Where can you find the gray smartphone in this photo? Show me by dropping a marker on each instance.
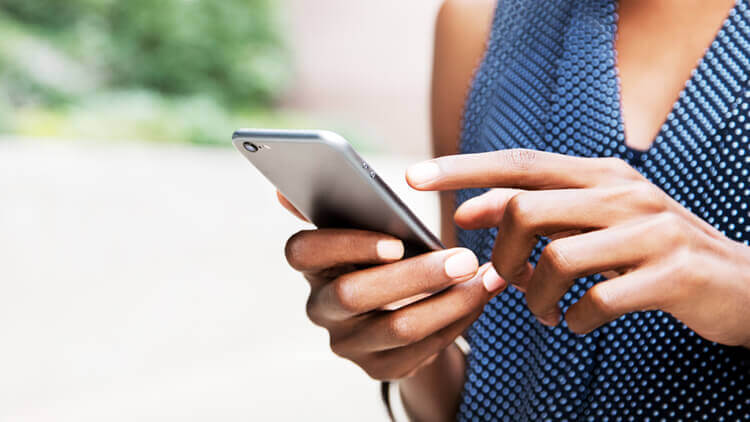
(331, 185)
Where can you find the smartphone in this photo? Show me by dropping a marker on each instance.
(331, 185)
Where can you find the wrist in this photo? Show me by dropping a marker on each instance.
(744, 259)
(434, 392)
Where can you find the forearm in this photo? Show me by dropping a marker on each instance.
(434, 393)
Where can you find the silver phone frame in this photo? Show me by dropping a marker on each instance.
(359, 166)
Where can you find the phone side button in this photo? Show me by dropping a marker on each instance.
(373, 175)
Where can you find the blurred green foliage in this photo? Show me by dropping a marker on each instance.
(173, 68)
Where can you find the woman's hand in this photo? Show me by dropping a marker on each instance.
(354, 274)
(603, 217)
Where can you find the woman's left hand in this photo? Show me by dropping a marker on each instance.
(603, 217)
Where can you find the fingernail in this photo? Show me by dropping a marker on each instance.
(492, 280)
(460, 265)
(423, 173)
(390, 249)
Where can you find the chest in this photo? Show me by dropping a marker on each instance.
(658, 45)
(550, 82)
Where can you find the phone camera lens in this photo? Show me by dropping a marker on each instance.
(250, 147)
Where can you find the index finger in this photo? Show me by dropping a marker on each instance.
(314, 251)
(513, 168)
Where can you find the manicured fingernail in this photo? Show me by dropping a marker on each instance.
(390, 249)
(461, 265)
(492, 281)
(423, 173)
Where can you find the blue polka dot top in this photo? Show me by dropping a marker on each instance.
(549, 82)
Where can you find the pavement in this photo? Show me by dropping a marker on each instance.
(145, 282)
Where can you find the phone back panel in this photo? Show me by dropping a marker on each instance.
(325, 179)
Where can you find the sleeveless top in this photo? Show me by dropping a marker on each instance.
(549, 82)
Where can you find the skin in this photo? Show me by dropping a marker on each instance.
(613, 219)
(659, 43)
(658, 255)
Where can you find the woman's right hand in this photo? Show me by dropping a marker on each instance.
(353, 274)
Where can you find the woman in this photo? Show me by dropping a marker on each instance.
(613, 221)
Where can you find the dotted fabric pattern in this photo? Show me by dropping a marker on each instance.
(549, 82)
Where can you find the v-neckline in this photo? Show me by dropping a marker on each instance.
(697, 74)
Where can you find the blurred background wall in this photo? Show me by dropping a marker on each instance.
(367, 63)
(142, 274)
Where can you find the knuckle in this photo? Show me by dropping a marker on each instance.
(345, 294)
(554, 259)
(681, 269)
(403, 329)
(521, 159)
(617, 167)
(601, 300)
(534, 306)
(671, 228)
(648, 195)
(519, 212)
(295, 248)
(378, 370)
(615, 163)
(337, 347)
(313, 311)
(504, 268)
(677, 279)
